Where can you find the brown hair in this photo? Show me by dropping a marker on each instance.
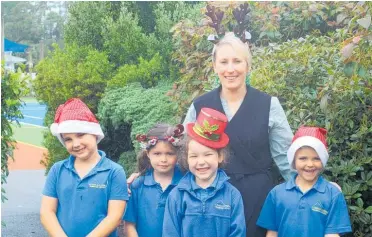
(224, 152)
(159, 131)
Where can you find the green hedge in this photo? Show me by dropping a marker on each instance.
(125, 112)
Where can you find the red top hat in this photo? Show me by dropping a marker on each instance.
(309, 136)
(209, 129)
(75, 117)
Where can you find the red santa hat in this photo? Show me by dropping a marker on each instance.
(75, 117)
(313, 137)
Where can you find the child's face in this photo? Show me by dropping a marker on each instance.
(203, 163)
(308, 164)
(81, 145)
(163, 158)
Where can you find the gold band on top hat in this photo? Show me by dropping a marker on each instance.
(202, 131)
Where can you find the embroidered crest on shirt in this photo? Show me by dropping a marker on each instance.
(97, 185)
(222, 206)
(318, 207)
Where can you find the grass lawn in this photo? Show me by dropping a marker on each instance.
(29, 99)
(28, 134)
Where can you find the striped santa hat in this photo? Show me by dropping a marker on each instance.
(313, 137)
(75, 117)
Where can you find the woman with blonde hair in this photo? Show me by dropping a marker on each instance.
(257, 126)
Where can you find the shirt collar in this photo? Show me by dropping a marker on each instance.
(320, 184)
(103, 163)
(195, 186)
(149, 177)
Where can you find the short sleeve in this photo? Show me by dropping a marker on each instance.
(268, 213)
(50, 187)
(131, 209)
(119, 187)
(338, 221)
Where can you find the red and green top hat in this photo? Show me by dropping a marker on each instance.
(209, 129)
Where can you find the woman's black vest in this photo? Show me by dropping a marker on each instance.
(248, 130)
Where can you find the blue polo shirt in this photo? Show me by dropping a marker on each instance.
(215, 211)
(146, 205)
(83, 203)
(321, 210)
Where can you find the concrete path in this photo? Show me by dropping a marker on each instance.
(20, 212)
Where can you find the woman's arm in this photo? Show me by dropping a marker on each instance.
(280, 137)
(48, 216)
(271, 233)
(111, 221)
(190, 115)
(130, 229)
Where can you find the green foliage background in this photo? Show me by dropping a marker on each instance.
(13, 87)
(136, 108)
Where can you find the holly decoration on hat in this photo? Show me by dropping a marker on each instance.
(209, 129)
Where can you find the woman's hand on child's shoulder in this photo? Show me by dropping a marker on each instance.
(130, 180)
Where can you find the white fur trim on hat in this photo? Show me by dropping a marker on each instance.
(310, 141)
(76, 126)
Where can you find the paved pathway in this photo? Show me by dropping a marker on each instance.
(25, 182)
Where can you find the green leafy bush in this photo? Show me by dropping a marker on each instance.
(128, 160)
(13, 87)
(125, 112)
(146, 72)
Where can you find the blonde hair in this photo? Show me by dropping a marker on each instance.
(237, 45)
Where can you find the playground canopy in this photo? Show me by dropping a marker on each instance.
(13, 46)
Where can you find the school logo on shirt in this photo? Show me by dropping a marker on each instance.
(318, 207)
(222, 206)
(97, 185)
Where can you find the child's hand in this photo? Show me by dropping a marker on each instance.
(130, 180)
(271, 233)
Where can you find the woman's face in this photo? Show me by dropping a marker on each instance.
(231, 67)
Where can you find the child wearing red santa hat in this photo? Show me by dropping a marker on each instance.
(307, 205)
(85, 194)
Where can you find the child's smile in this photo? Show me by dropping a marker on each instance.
(203, 163)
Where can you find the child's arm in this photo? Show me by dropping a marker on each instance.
(116, 205)
(130, 229)
(48, 216)
(238, 226)
(49, 204)
(111, 221)
(271, 233)
(332, 235)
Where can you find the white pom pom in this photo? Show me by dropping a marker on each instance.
(54, 129)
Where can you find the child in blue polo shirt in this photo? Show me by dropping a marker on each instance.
(204, 203)
(85, 194)
(307, 205)
(159, 174)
